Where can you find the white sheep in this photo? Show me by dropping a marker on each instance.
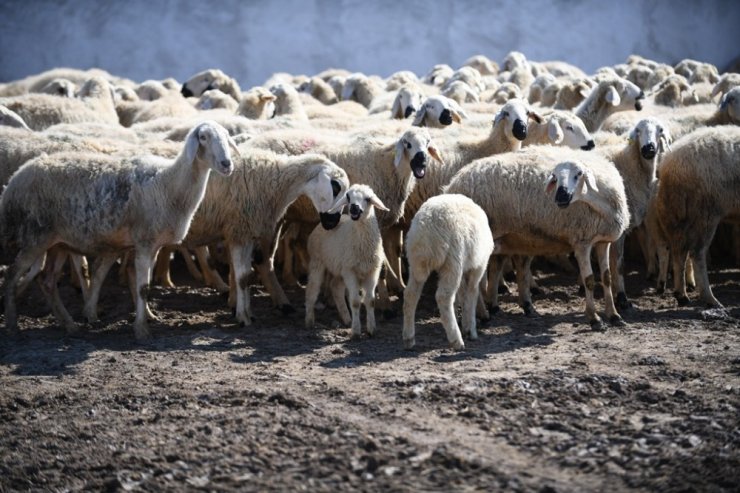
(538, 86)
(608, 97)
(698, 189)
(288, 103)
(407, 101)
(438, 75)
(502, 94)
(320, 89)
(151, 90)
(725, 83)
(40, 111)
(525, 220)
(244, 212)
(482, 64)
(351, 252)
(216, 99)
(438, 112)
(362, 89)
(59, 87)
(559, 127)
(103, 206)
(572, 93)
(460, 92)
(449, 235)
(211, 79)
(257, 104)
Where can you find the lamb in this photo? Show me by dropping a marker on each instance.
(352, 252)
(211, 79)
(526, 221)
(320, 89)
(608, 97)
(40, 111)
(698, 189)
(560, 128)
(438, 112)
(438, 75)
(216, 99)
(103, 205)
(407, 101)
(361, 88)
(460, 92)
(11, 119)
(449, 235)
(263, 187)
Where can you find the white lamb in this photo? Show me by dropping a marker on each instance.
(608, 97)
(102, 205)
(438, 112)
(352, 252)
(211, 79)
(525, 220)
(449, 235)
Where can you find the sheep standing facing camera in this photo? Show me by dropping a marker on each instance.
(450, 235)
(352, 252)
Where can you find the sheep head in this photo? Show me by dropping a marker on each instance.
(514, 115)
(406, 102)
(326, 185)
(651, 137)
(572, 182)
(730, 103)
(438, 112)
(565, 128)
(210, 142)
(360, 199)
(414, 146)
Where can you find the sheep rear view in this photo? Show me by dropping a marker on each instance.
(450, 235)
(102, 205)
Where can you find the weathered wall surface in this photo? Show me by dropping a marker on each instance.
(250, 40)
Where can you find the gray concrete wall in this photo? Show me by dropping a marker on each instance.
(250, 40)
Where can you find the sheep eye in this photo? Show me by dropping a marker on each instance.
(407, 144)
(335, 189)
(505, 113)
(569, 127)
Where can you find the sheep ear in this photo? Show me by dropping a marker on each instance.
(341, 202)
(435, 153)
(723, 102)
(399, 153)
(457, 112)
(716, 90)
(550, 183)
(419, 119)
(612, 96)
(347, 91)
(377, 203)
(534, 116)
(191, 145)
(554, 132)
(499, 116)
(396, 110)
(233, 146)
(587, 182)
(664, 141)
(632, 136)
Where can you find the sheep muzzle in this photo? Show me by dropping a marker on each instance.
(648, 151)
(563, 197)
(410, 110)
(329, 220)
(445, 118)
(185, 91)
(418, 165)
(589, 145)
(355, 212)
(519, 129)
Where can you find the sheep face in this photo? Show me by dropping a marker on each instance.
(325, 190)
(438, 112)
(414, 146)
(60, 87)
(514, 59)
(360, 199)
(211, 143)
(652, 138)
(406, 103)
(514, 115)
(571, 181)
(623, 94)
(731, 104)
(570, 131)
(201, 82)
(438, 75)
(507, 91)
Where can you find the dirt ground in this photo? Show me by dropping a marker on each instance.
(536, 404)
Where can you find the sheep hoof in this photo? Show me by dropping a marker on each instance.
(287, 309)
(617, 321)
(355, 335)
(143, 334)
(71, 328)
(622, 302)
(661, 288)
(457, 345)
(690, 288)
(597, 325)
(536, 290)
(503, 289)
(408, 344)
(371, 333)
(529, 310)
(681, 300)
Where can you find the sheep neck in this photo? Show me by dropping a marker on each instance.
(720, 117)
(594, 110)
(185, 183)
(639, 178)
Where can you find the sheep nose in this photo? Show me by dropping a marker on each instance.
(418, 160)
(185, 91)
(445, 118)
(226, 163)
(563, 197)
(589, 145)
(641, 95)
(648, 151)
(355, 212)
(520, 129)
(410, 110)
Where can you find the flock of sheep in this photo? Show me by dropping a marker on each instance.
(475, 170)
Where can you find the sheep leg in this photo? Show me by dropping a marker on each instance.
(101, 267)
(449, 282)
(287, 242)
(392, 244)
(384, 298)
(616, 261)
(522, 265)
(189, 264)
(583, 256)
(25, 281)
(690, 279)
(162, 267)
(265, 267)
(355, 301)
(495, 273)
(699, 261)
(241, 260)
(470, 300)
(368, 288)
(337, 290)
(315, 280)
(21, 265)
(679, 259)
(144, 259)
(661, 248)
(79, 264)
(210, 276)
(604, 256)
(50, 288)
(411, 295)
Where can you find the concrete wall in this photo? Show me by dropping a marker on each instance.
(250, 40)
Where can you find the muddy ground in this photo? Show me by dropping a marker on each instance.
(536, 404)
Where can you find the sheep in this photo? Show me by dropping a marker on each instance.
(673, 91)
(337, 84)
(467, 74)
(526, 221)
(59, 87)
(698, 188)
(407, 101)
(538, 86)
(263, 187)
(288, 102)
(216, 99)
(320, 89)
(151, 90)
(399, 79)
(211, 79)
(438, 75)
(559, 127)
(102, 205)
(124, 93)
(438, 112)
(482, 64)
(460, 92)
(257, 104)
(449, 235)
(40, 111)
(35, 83)
(11, 119)
(360, 88)
(572, 93)
(725, 83)
(608, 97)
(637, 163)
(172, 105)
(505, 92)
(353, 252)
